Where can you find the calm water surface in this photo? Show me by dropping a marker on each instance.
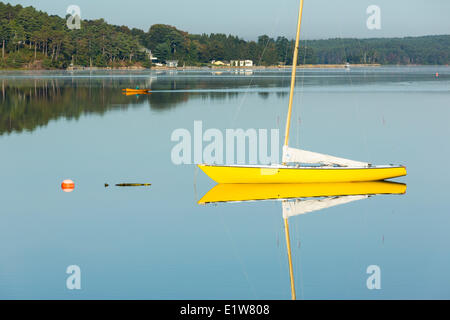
(158, 243)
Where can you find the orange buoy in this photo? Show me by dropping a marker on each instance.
(67, 185)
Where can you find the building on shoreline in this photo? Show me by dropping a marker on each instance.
(241, 63)
(172, 63)
(149, 54)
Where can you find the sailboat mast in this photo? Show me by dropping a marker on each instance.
(294, 69)
(288, 247)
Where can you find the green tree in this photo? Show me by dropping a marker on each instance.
(162, 51)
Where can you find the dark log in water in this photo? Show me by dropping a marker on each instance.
(133, 184)
(130, 185)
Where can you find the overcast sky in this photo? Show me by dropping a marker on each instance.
(250, 18)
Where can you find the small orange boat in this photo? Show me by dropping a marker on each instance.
(135, 91)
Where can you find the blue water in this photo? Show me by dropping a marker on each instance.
(157, 243)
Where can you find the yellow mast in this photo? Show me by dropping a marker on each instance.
(288, 245)
(294, 69)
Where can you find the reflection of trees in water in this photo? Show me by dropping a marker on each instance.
(28, 103)
(263, 95)
(31, 103)
(282, 94)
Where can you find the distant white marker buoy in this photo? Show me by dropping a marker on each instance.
(67, 185)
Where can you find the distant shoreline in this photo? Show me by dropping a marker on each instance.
(209, 67)
(220, 68)
(304, 66)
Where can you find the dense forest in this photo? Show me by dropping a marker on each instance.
(32, 39)
(429, 50)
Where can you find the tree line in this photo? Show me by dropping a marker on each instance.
(33, 39)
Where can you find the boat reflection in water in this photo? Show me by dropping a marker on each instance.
(135, 94)
(297, 199)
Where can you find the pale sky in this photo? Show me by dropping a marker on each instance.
(250, 18)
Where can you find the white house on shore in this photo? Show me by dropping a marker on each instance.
(172, 63)
(241, 63)
(150, 55)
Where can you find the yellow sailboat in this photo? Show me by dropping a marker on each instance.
(298, 199)
(301, 166)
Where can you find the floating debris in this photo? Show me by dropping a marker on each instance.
(133, 184)
(130, 185)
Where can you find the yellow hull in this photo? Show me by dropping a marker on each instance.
(267, 191)
(267, 174)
